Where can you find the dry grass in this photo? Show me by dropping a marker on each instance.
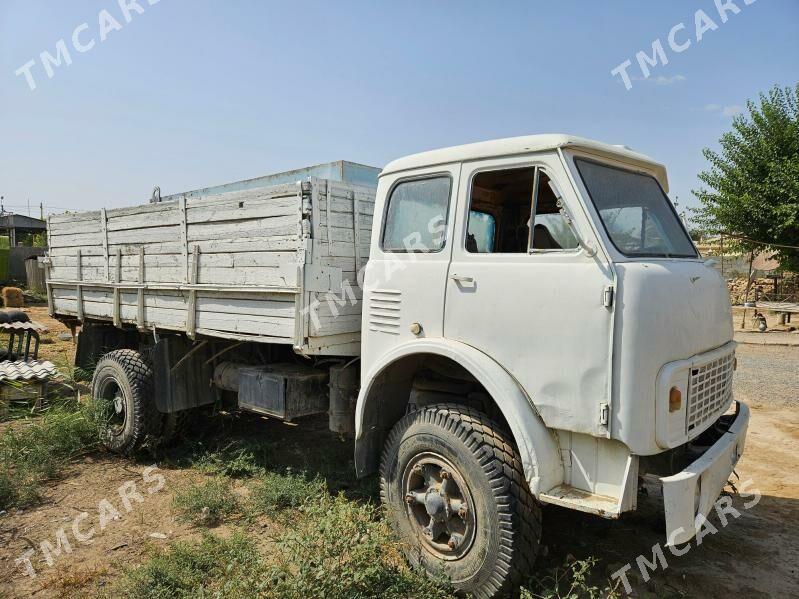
(37, 449)
(68, 580)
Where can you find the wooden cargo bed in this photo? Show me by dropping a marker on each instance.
(265, 265)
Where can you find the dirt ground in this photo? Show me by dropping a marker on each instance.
(756, 555)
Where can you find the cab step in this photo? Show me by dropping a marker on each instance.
(583, 501)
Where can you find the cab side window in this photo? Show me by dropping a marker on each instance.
(416, 215)
(515, 211)
(501, 202)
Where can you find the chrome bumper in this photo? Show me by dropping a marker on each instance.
(705, 477)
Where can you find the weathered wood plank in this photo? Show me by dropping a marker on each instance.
(346, 344)
(278, 225)
(151, 209)
(340, 296)
(191, 305)
(344, 220)
(78, 239)
(144, 220)
(148, 235)
(344, 205)
(244, 239)
(235, 210)
(79, 289)
(333, 325)
(243, 304)
(280, 277)
(342, 262)
(249, 244)
(257, 243)
(275, 191)
(73, 228)
(177, 319)
(104, 233)
(337, 234)
(344, 249)
(174, 260)
(71, 260)
(184, 238)
(69, 251)
(69, 217)
(140, 321)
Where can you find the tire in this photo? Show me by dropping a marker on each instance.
(176, 425)
(488, 547)
(123, 387)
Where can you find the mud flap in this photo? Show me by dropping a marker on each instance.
(181, 384)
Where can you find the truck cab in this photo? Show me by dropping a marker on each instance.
(538, 328)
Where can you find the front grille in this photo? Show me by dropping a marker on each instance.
(709, 391)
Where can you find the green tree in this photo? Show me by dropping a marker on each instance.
(751, 190)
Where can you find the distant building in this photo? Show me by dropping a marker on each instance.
(20, 228)
(17, 233)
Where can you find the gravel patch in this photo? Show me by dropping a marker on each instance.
(767, 375)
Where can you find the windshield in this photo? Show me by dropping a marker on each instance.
(636, 213)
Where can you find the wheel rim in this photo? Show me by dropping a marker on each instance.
(115, 406)
(439, 505)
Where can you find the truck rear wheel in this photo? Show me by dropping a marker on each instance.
(176, 426)
(455, 493)
(123, 387)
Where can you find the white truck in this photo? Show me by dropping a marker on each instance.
(503, 325)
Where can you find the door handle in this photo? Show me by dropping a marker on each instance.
(462, 278)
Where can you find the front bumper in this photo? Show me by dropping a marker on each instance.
(703, 479)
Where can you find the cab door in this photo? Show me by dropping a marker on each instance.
(521, 289)
(409, 258)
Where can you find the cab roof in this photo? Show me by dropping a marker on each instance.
(525, 145)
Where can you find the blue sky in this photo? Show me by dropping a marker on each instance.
(195, 93)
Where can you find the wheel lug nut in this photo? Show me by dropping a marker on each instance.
(409, 498)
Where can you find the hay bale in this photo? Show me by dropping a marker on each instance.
(12, 297)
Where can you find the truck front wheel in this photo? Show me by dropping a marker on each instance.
(122, 387)
(455, 493)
